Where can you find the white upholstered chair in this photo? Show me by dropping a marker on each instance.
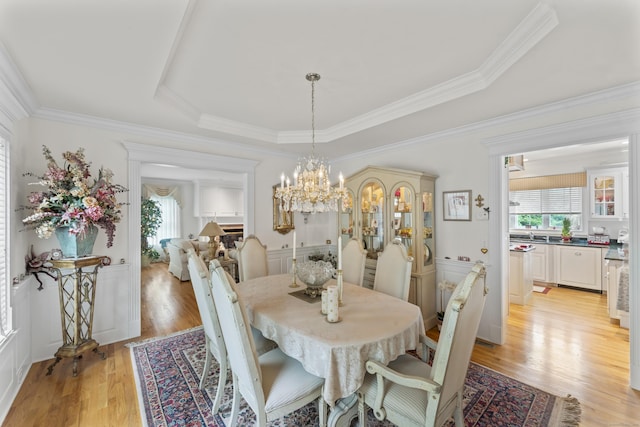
(409, 392)
(252, 259)
(214, 341)
(178, 249)
(273, 384)
(393, 271)
(353, 259)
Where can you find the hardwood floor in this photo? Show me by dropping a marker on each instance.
(561, 342)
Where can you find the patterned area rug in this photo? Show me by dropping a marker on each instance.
(167, 372)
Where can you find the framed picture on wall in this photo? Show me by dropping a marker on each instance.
(456, 205)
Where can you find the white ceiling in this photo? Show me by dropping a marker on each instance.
(235, 70)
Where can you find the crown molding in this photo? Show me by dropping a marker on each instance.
(628, 119)
(233, 127)
(16, 98)
(147, 131)
(153, 154)
(531, 30)
(592, 129)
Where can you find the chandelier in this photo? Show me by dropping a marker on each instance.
(310, 191)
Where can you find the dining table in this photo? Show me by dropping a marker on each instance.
(372, 326)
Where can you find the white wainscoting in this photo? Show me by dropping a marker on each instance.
(451, 271)
(110, 318)
(15, 352)
(279, 260)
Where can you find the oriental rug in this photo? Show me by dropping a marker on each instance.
(168, 369)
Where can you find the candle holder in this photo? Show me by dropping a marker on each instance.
(340, 286)
(293, 274)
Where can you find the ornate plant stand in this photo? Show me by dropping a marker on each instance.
(77, 289)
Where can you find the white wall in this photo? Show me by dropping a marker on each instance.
(459, 158)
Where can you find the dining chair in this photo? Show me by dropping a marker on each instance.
(353, 259)
(409, 392)
(393, 271)
(273, 384)
(214, 341)
(252, 259)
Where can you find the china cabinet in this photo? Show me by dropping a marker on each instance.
(388, 204)
(607, 196)
(345, 218)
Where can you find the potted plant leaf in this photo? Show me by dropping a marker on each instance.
(150, 221)
(566, 229)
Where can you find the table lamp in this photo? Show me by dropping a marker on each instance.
(212, 229)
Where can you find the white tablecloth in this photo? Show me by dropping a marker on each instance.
(373, 326)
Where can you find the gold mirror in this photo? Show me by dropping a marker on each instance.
(282, 219)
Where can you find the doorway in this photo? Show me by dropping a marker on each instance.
(603, 128)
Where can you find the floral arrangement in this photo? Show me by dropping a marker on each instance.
(73, 198)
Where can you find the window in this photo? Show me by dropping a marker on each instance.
(5, 314)
(170, 226)
(545, 209)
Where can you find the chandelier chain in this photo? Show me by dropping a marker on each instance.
(311, 190)
(313, 116)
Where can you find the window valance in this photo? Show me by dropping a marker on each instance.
(567, 180)
(159, 191)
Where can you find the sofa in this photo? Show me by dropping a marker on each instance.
(178, 258)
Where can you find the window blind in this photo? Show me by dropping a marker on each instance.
(548, 201)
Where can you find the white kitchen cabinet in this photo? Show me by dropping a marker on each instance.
(613, 276)
(212, 200)
(625, 193)
(579, 267)
(539, 264)
(520, 277)
(606, 193)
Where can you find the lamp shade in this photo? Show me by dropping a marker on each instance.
(212, 229)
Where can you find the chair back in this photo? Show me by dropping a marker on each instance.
(393, 271)
(252, 259)
(206, 306)
(243, 357)
(353, 259)
(457, 338)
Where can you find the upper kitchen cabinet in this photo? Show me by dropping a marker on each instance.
(394, 204)
(607, 193)
(214, 200)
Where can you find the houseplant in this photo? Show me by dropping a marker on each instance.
(73, 203)
(150, 221)
(566, 229)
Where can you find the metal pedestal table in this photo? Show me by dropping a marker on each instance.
(77, 290)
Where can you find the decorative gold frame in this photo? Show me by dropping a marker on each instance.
(282, 220)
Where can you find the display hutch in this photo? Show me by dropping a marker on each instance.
(608, 193)
(387, 204)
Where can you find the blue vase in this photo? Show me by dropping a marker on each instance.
(74, 245)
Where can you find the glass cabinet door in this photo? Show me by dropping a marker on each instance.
(345, 218)
(427, 230)
(372, 220)
(402, 217)
(604, 195)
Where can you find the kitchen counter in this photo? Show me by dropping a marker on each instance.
(522, 247)
(576, 241)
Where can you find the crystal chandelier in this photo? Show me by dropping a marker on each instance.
(311, 190)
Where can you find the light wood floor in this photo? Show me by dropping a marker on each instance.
(562, 342)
